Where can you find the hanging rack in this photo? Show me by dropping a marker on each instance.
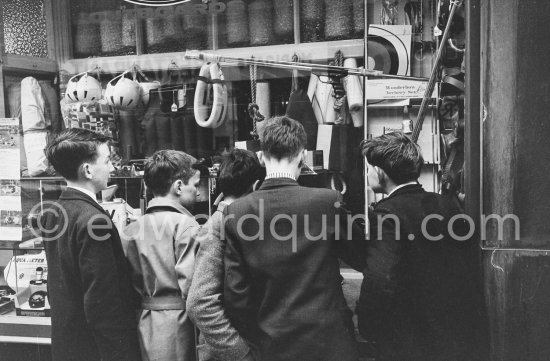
(136, 70)
(208, 57)
(170, 88)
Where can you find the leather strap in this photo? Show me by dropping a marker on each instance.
(210, 81)
(162, 303)
(448, 76)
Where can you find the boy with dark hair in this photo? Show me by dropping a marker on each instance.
(161, 251)
(92, 303)
(282, 287)
(397, 155)
(421, 298)
(240, 173)
(239, 170)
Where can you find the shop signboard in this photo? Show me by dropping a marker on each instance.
(178, 7)
(396, 89)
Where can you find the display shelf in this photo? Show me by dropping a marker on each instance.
(28, 64)
(25, 329)
(154, 62)
(28, 245)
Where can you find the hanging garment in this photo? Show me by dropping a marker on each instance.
(176, 131)
(299, 108)
(165, 129)
(14, 111)
(321, 95)
(164, 140)
(127, 133)
(35, 135)
(52, 112)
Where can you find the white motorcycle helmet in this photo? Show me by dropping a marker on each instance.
(123, 93)
(145, 88)
(83, 88)
(70, 92)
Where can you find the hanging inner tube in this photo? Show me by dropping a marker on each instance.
(210, 80)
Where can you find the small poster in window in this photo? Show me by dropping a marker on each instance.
(9, 148)
(11, 217)
(11, 220)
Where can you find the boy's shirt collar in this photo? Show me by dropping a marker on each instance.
(157, 203)
(401, 186)
(85, 191)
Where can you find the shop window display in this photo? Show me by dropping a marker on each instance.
(103, 28)
(148, 102)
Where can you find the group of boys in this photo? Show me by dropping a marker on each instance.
(261, 279)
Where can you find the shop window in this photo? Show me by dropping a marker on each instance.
(103, 28)
(174, 28)
(256, 23)
(325, 20)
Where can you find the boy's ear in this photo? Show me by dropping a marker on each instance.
(177, 186)
(382, 176)
(256, 185)
(84, 171)
(260, 155)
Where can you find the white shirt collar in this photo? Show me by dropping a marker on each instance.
(85, 191)
(401, 186)
(280, 175)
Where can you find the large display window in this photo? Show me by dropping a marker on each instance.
(201, 77)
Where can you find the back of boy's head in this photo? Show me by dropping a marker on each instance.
(283, 137)
(396, 154)
(71, 148)
(165, 167)
(238, 172)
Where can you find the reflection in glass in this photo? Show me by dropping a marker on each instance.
(338, 19)
(312, 20)
(260, 22)
(237, 23)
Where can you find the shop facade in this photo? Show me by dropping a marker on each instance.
(350, 69)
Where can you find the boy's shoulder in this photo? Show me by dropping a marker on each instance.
(165, 219)
(296, 197)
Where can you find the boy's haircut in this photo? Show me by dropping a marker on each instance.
(283, 137)
(396, 154)
(71, 148)
(238, 172)
(165, 167)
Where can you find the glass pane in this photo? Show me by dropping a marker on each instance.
(25, 27)
(324, 20)
(256, 23)
(174, 28)
(103, 28)
(36, 196)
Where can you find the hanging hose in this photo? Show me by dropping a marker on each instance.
(339, 91)
(253, 109)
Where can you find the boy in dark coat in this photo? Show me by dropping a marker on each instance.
(282, 285)
(92, 303)
(421, 297)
